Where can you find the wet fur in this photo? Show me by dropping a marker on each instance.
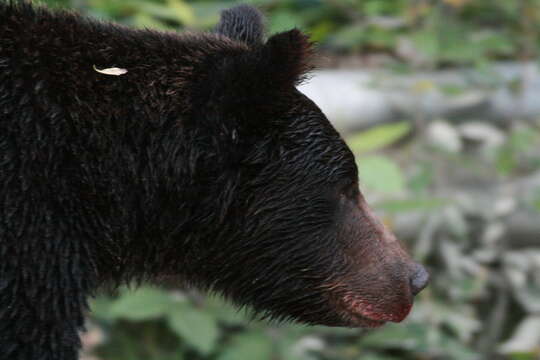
(203, 161)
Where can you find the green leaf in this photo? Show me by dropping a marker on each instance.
(374, 8)
(421, 180)
(381, 174)
(249, 346)
(349, 37)
(397, 206)
(155, 10)
(101, 307)
(225, 312)
(207, 13)
(496, 42)
(452, 89)
(456, 44)
(506, 160)
(195, 327)
(536, 199)
(522, 139)
(143, 20)
(456, 350)
(375, 356)
(426, 42)
(183, 12)
(380, 37)
(145, 303)
(378, 137)
(405, 336)
(285, 20)
(321, 31)
(523, 356)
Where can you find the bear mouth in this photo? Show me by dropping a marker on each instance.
(357, 312)
(356, 320)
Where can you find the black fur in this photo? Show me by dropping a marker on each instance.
(203, 161)
(243, 23)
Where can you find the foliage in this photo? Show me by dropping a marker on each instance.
(424, 32)
(151, 323)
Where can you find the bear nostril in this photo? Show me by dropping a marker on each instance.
(419, 279)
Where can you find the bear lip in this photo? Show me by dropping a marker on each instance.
(369, 314)
(364, 322)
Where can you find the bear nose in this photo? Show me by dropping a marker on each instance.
(419, 279)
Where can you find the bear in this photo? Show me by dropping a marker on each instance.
(129, 155)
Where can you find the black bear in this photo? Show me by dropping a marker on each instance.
(133, 154)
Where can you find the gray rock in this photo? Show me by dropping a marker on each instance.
(355, 99)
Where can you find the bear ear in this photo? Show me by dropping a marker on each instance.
(246, 78)
(290, 56)
(242, 23)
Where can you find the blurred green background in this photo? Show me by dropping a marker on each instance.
(454, 169)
